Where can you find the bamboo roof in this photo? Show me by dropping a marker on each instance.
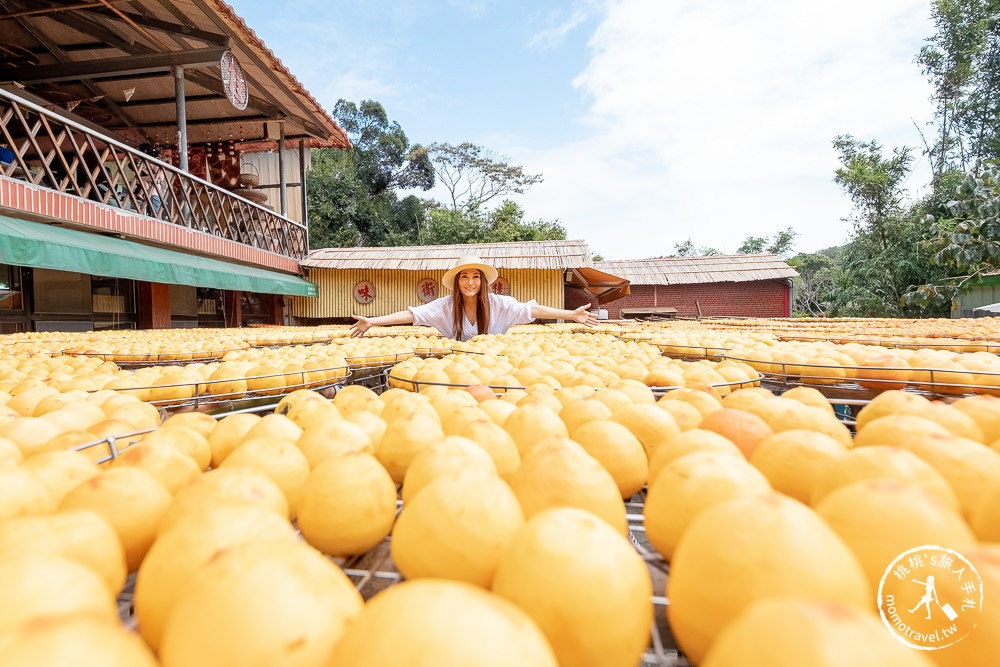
(555, 255)
(693, 270)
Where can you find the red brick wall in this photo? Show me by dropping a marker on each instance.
(760, 298)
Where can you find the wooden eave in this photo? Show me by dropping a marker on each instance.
(552, 255)
(696, 270)
(110, 61)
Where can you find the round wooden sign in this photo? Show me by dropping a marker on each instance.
(364, 292)
(500, 286)
(427, 290)
(233, 81)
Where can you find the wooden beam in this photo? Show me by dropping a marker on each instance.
(71, 48)
(269, 72)
(50, 10)
(211, 121)
(87, 25)
(174, 29)
(167, 101)
(56, 51)
(95, 69)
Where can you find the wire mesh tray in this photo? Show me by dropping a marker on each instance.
(692, 351)
(415, 385)
(116, 444)
(378, 360)
(374, 571)
(437, 352)
(960, 345)
(932, 384)
(130, 360)
(200, 399)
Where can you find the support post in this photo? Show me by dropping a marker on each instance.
(232, 308)
(282, 177)
(154, 305)
(302, 186)
(182, 139)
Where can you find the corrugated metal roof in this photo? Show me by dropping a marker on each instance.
(513, 255)
(691, 270)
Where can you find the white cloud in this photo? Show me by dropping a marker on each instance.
(553, 35)
(474, 8)
(714, 120)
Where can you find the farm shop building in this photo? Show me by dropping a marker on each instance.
(96, 233)
(714, 286)
(379, 281)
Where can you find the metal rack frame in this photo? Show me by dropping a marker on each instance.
(855, 387)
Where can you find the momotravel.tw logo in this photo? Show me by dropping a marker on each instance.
(930, 597)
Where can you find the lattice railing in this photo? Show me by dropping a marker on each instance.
(50, 151)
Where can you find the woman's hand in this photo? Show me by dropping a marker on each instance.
(360, 327)
(583, 317)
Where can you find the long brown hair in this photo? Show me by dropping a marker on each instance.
(482, 306)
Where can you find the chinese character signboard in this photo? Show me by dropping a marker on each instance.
(233, 82)
(427, 290)
(500, 286)
(364, 292)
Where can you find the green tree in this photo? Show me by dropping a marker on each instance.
(967, 244)
(507, 223)
(504, 224)
(885, 256)
(384, 157)
(781, 244)
(474, 175)
(962, 62)
(446, 226)
(814, 290)
(688, 249)
(352, 194)
(873, 182)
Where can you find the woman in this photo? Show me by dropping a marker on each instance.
(472, 308)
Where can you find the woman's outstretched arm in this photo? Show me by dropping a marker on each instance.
(363, 323)
(579, 315)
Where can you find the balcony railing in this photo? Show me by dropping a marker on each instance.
(51, 151)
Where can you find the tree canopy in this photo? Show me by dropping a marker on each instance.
(354, 196)
(912, 257)
(474, 175)
(962, 63)
(781, 244)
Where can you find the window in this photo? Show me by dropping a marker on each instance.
(115, 296)
(211, 307)
(183, 307)
(183, 300)
(11, 294)
(257, 308)
(62, 293)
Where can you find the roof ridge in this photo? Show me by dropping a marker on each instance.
(227, 12)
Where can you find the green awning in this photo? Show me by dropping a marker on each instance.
(35, 244)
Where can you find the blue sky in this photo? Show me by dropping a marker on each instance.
(652, 121)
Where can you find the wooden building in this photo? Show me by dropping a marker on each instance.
(714, 286)
(121, 134)
(276, 171)
(379, 281)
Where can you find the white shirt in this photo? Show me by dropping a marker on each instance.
(505, 312)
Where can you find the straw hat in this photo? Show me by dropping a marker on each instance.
(470, 262)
